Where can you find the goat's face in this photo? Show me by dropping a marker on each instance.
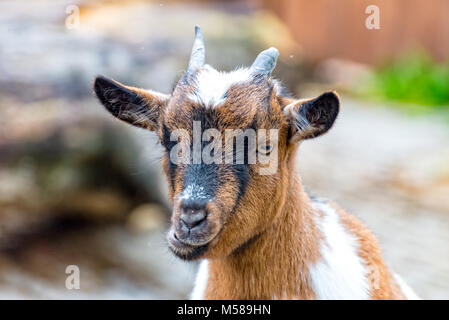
(227, 141)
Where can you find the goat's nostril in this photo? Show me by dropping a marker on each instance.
(192, 217)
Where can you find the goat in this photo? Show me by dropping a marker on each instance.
(257, 236)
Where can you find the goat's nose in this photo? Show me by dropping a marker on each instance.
(192, 216)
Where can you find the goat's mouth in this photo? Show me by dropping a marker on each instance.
(188, 249)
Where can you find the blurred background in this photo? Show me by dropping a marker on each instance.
(80, 188)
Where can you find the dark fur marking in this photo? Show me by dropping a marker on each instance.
(168, 145)
(246, 244)
(204, 175)
(320, 112)
(122, 103)
(194, 254)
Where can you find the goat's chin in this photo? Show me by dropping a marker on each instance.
(193, 253)
(188, 250)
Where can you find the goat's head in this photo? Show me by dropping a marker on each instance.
(228, 139)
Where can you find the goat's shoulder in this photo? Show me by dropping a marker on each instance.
(340, 272)
(352, 254)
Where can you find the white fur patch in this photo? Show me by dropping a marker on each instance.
(406, 290)
(201, 281)
(340, 273)
(277, 85)
(193, 191)
(211, 85)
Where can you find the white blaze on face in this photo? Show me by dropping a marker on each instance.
(211, 85)
(340, 272)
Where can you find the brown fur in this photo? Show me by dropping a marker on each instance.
(261, 245)
(275, 263)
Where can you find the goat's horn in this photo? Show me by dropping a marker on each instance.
(265, 61)
(198, 55)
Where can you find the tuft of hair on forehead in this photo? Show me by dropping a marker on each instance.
(210, 86)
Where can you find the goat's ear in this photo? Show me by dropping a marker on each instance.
(138, 107)
(313, 117)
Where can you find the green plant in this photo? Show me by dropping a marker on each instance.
(415, 78)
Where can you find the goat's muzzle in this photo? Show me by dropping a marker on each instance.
(193, 228)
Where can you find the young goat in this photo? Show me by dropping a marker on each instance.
(258, 236)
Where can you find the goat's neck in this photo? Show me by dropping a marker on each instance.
(275, 263)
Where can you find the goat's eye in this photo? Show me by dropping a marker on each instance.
(265, 149)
